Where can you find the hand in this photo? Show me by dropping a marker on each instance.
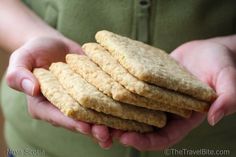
(41, 52)
(213, 64)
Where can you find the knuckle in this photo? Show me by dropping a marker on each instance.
(13, 55)
(70, 126)
(53, 122)
(34, 116)
(141, 148)
(10, 78)
(32, 112)
(13, 78)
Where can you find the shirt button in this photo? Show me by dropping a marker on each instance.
(144, 3)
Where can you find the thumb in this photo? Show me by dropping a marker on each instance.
(225, 104)
(73, 47)
(19, 75)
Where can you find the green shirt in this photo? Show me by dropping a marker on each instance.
(163, 23)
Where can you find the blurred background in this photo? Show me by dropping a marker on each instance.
(3, 64)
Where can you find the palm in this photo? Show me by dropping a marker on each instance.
(213, 64)
(43, 51)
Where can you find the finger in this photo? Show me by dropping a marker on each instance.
(225, 104)
(19, 74)
(101, 133)
(184, 126)
(106, 145)
(136, 140)
(164, 138)
(41, 109)
(73, 47)
(116, 134)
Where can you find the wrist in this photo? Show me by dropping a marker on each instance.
(45, 32)
(33, 34)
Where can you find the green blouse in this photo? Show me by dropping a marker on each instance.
(163, 23)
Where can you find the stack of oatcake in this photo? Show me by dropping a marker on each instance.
(124, 84)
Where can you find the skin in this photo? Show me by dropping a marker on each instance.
(32, 43)
(35, 44)
(214, 64)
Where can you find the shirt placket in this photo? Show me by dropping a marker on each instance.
(142, 20)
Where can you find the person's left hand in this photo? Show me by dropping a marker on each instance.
(213, 64)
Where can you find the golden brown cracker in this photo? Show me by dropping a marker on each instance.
(163, 97)
(54, 92)
(153, 65)
(90, 97)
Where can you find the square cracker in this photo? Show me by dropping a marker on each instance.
(110, 65)
(105, 83)
(90, 97)
(54, 92)
(153, 65)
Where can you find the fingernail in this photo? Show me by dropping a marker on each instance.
(124, 142)
(106, 147)
(100, 138)
(217, 117)
(81, 130)
(27, 86)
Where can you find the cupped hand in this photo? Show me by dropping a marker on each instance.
(213, 64)
(41, 52)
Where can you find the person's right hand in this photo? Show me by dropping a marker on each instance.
(41, 52)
